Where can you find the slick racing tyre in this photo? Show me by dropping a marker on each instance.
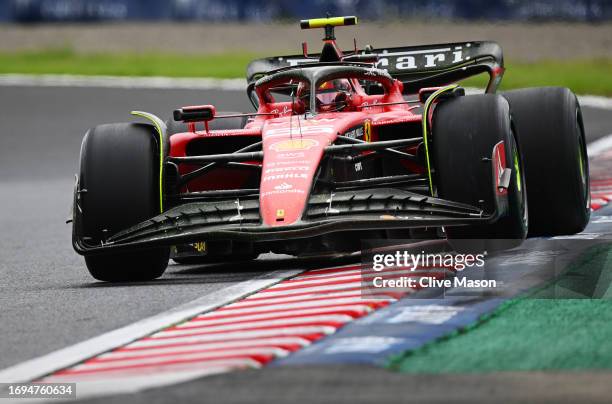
(551, 138)
(119, 187)
(464, 132)
(216, 124)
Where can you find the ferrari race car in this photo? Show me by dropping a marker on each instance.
(342, 146)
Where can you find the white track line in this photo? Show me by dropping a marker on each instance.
(156, 82)
(136, 348)
(595, 101)
(600, 145)
(193, 83)
(114, 357)
(41, 366)
(153, 343)
(254, 324)
(293, 305)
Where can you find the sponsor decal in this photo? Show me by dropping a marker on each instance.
(199, 246)
(409, 60)
(286, 110)
(366, 104)
(229, 132)
(303, 122)
(290, 155)
(283, 186)
(370, 344)
(284, 163)
(355, 133)
(295, 62)
(367, 131)
(318, 121)
(283, 191)
(285, 169)
(429, 314)
(294, 144)
(358, 167)
(396, 120)
(285, 176)
(299, 130)
(425, 59)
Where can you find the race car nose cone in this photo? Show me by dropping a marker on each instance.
(288, 169)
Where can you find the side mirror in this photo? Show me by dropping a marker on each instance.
(253, 98)
(197, 113)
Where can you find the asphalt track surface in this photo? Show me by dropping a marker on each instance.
(47, 298)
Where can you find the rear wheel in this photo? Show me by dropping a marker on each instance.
(119, 186)
(551, 138)
(465, 132)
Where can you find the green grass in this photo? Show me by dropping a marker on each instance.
(65, 61)
(582, 76)
(560, 333)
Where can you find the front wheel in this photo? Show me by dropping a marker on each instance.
(118, 188)
(465, 132)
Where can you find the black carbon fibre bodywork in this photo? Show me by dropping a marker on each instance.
(415, 66)
(239, 220)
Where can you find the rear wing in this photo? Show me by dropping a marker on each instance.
(415, 66)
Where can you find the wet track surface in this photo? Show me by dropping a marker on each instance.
(47, 298)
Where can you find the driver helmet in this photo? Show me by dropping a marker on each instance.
(328, 92)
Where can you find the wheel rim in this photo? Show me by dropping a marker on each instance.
(517, 163)
(582, 163)
(517, 168)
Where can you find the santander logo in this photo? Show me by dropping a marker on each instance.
(283, 187)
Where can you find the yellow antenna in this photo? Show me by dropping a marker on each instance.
(328, 23)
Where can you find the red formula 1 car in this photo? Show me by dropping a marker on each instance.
(373, 143)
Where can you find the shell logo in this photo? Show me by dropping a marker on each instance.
(294, 144)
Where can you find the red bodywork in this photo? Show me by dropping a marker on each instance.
(301, 177)
(293, 147)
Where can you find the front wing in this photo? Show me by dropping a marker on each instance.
(239, 219)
